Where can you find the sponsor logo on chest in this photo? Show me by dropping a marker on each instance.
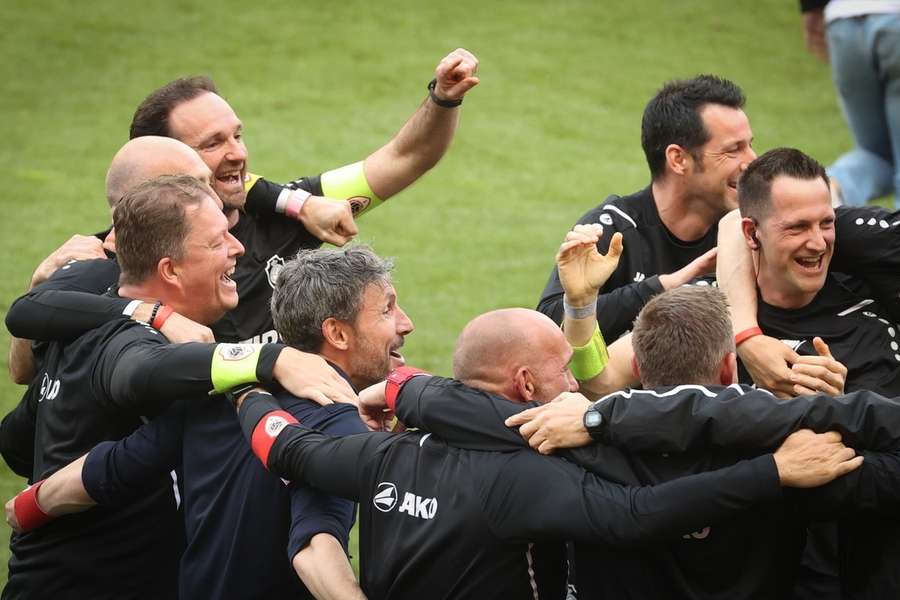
(386, 498)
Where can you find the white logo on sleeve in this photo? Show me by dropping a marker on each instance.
(236, 351)
(274, 425)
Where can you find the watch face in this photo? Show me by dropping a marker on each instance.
(592, 418)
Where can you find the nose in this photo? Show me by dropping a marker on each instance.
(749, 157)
(237, 151)
(816, 240)
(237, 248)
(404, 323)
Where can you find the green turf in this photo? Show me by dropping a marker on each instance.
(551, 130)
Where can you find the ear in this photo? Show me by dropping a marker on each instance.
(336, 333)
(728, 372)
(748, 228)
(168, 271)
(677, 159)
(523, 383)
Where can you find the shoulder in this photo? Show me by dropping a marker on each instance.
(335, 419)
(622, 213)
(92, 276)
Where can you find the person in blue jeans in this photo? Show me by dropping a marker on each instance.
(862, 41)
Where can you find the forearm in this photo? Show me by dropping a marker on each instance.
(154, 375)
(21, 361)
(463, 416)
(49, 315)
(64, 493)
(290, 450)
(735, 272)
(17, 437)
(618, 374)
(417, 147)
(324, 569)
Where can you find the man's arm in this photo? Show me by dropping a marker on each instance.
(321, 523)
(646, 421)
(111, 474)
(17, 433)
(145, 373)
(325, 571)
(590, 509)
(424, 139)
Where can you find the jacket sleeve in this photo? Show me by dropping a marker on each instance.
(146, 374)
(295, 452)
(873, 487)
(584, 507)
(117, 472)
(696, 420)
(17, 434)
(462, 416)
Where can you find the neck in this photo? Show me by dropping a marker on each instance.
(341, 360)
(153, 291)
(774, 296)
(687, 218)
(493, 387)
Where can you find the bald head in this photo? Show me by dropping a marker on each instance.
(144, 158)
(505, 351)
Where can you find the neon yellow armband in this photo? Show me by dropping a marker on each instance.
(232, 365)
(350, 183)
(250, 180)
(589, 360)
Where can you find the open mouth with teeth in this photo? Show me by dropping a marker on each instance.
(226, 278)
(810, 265)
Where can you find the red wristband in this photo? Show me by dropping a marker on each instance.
(164, 313)
(395, 381)
(746, 334)
(28, 512)
(266, 432)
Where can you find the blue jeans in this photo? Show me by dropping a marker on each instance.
(865, 65)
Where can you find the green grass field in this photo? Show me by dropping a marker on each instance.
(551, 130)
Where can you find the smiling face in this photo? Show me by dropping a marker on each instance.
(204, 271)
(724, 157)
(796, 241)
(377, 335)
(209, 125)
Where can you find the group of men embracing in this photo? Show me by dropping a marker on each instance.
(212, 397)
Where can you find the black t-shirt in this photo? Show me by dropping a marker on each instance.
(856, 328)
(650, 250)
(101, 553)
(269, 240)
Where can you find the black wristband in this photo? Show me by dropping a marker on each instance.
(445, 103)
(268, 354)
(153, 313)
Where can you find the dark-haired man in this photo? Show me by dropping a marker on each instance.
(697, 140)
(192, 111)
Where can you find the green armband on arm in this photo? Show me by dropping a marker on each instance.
(350, 183)
(589, 360)
(234, 364)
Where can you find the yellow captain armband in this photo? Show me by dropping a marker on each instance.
(250, 180)
(232, 365)
(350, 183)
(589, 360)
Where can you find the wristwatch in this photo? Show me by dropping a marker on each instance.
(592, 421)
